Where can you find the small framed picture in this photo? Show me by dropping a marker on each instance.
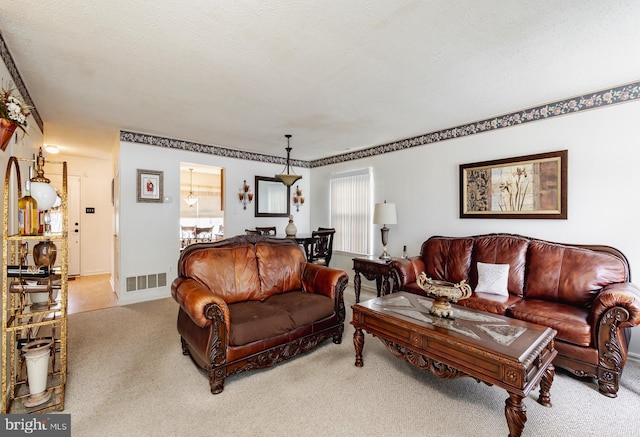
(149, 186)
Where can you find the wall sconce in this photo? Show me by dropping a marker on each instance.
(298, 200)
(245, 195)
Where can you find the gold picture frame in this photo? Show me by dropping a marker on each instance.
(150, 186)
(524, 187)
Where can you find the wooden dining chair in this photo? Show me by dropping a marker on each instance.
(187, 235)
(268, 230)
(204, 233)
(319, 247)
(252, 232)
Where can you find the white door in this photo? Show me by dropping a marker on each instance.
(73, 187)
(73, 204)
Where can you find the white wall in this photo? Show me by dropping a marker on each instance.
(27, 145)
(604, 152)
(149, 232)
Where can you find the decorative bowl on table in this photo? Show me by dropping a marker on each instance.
(443, 293)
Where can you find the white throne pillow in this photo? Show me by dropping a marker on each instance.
(493, 278)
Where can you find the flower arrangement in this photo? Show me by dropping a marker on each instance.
(13, 109)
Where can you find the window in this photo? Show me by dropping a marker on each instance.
(350, 196)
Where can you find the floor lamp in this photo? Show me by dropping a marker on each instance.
(385, 214)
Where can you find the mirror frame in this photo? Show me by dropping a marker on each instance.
(258, 209)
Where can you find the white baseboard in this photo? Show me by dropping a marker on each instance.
(132, 297)
(633, 357)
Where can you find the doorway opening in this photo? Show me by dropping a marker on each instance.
(85, 293)
(201, 203)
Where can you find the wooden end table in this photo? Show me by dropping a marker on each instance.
(512, 354)
(372, 267)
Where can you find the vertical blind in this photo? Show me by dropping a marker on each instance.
(350, 195)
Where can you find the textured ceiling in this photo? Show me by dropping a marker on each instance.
(337, 75)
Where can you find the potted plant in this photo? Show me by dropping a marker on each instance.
(13, 114)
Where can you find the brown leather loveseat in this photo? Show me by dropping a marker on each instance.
(250, 301)
(583, 292)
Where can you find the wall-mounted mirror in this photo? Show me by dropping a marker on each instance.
(272, 197)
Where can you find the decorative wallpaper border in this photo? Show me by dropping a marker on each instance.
(153, 140)
(598, 99)
(612, 96)
(22, 88)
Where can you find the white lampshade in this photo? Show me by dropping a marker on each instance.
(385, 214)
(44, 194)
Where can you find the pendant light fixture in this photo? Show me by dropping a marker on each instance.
(287, 178)
(191, 199)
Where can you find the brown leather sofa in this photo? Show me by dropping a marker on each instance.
(250, 301)
(583, 292)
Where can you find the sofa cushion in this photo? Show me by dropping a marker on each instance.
(491, 303)
(570, 321)
(277, 315)
(501, 249)
(280, 267)
(447, 258)
(303, 308)
(254, 320)
(569, 274)
(235, 276)
(493, 278)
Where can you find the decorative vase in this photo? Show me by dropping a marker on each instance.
(44, 253)
(37, 356)
(291, 229)
(7, 128)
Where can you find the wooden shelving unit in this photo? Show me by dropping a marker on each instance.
(24, 321)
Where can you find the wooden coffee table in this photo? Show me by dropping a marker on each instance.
(508, 353)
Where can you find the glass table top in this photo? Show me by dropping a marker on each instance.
(494, 327)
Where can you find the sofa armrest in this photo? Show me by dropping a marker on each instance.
(406, 271)
(622, 295)
(194, 298)
(323, 280)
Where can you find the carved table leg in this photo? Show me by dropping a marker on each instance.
(516, 413)
(545, 386)
(358, 342)
(379, 286)
(386, 288)
(356, 285)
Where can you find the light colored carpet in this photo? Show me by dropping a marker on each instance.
(128, 377)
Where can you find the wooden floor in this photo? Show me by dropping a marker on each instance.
(88, 293)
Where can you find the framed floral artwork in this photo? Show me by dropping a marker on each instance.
(525, 187)
(149, 186)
